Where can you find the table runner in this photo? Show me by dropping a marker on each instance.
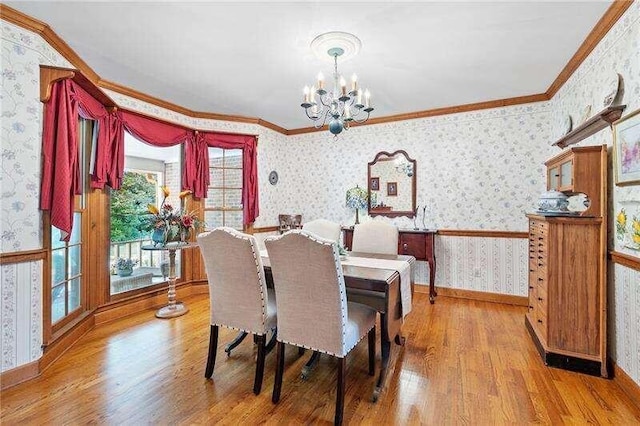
(401, 266)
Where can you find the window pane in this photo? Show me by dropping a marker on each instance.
(74, 261)
(233, 158)
(233, 220)
(215, 153)
(233, 198)
(77, 229)
(232, 178)
(57, 302)
(58, 266)
(214, 198)
(212, 219)
(215, 177)
(55, 238)
(74, 294)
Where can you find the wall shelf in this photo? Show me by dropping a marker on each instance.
(593, 125)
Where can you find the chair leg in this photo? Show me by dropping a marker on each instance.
(277, 383)
(340, 393)
(372, 350)
(257, 382)
(213, 345)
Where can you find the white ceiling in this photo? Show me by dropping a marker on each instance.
(253, 59)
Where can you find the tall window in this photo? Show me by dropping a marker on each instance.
(223, 205)
(147, 169)
(68, 296)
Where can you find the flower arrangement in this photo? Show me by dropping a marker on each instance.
(125, 263)
(169, 224)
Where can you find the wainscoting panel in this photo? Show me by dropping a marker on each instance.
(21, 334)
(624, 320)
(495, 265)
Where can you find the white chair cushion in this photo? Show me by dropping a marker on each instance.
(360, 319)
(324, 229)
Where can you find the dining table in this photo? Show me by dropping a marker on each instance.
(376, 287)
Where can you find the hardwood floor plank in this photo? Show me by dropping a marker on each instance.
(465, 362)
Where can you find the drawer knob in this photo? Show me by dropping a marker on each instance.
(405, 247)
(540, 299)
(531, 287)
(530, 270)
(540, 279)
(540, 321)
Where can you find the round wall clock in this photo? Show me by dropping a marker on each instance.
(273, 177)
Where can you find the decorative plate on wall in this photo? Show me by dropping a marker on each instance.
(273, 177)
(614, 89)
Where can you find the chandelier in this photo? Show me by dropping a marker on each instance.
(341, 106)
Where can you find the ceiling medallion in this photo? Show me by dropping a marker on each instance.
(339, 107)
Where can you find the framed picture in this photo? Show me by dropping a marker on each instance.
(392, 189)
(375, 184)
(626, 149)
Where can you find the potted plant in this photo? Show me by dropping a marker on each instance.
(124, 266)
(169, 224)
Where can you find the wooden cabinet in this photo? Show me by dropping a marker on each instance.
(567, 269)
(417, 243)
(577, 170)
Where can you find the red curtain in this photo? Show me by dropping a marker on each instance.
(60, 171)
(60, 157)
(60, 179)
(248, 144)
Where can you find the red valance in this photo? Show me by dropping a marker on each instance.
(60, 180)
(60, 171)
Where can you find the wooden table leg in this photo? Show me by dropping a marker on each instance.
(385, 347)
(432, 278)
(306, 370)
(235, 342)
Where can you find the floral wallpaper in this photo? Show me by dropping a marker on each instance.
(22, 53)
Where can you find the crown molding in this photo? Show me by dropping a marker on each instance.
(602, 27)
(610, 17)
(127, 91)
(439, 111)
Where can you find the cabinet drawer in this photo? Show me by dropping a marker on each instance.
(413, 245)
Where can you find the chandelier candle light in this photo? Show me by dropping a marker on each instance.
(340, 107)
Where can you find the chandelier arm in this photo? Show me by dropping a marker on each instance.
(318, 124)
(361, 120)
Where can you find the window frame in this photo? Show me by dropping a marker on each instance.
(224, 188)
(53, 330)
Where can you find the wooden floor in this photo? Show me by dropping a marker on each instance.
(465, 362)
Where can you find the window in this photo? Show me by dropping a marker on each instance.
(147, 169)
(68, 285)
(223, 205)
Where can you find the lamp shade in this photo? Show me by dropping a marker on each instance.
(357, 198)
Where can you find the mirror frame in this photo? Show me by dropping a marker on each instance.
(409, 214)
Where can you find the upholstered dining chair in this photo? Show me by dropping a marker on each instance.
(375, 237)
(313, 311)
(324, 229)
(238, 293)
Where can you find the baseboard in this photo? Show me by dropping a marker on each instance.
(627, 384)
(61, 345)
(19, 374)
(458, 293)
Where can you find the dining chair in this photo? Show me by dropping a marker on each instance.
(239, 297)
(324, 229)
(313, 311)
(375, 237)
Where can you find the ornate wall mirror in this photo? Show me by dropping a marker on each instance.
(392, 185)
